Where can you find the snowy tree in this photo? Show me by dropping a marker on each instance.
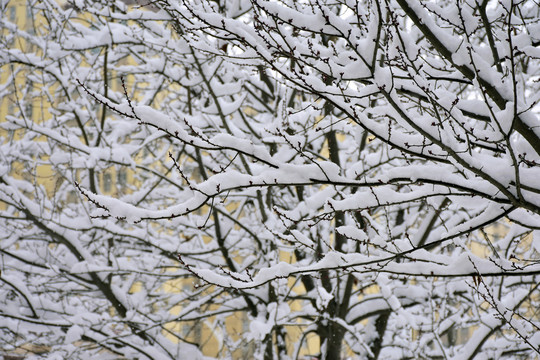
(345, 179)
(74, 286)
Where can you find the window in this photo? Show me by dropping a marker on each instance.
(121, 177)
(12, 13)
(107, 182)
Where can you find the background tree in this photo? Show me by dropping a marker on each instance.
(360, 173)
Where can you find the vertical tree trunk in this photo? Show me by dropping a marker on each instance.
(334, 342)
